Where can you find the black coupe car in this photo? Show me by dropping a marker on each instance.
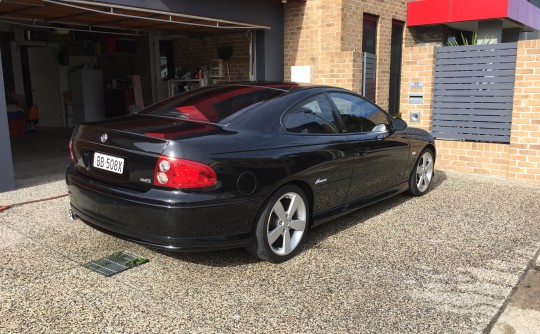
(252, 165)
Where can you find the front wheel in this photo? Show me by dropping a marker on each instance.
(422, 174)
(281, 226)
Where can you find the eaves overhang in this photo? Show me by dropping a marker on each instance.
(430, 12)
(102, 15)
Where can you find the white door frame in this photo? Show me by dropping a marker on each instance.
(51, 120)
(18, 74)
(159, 87)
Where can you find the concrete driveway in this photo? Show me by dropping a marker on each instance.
(443, 263)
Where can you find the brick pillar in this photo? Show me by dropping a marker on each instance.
(524, 155)
(313, 36)
(384, 41)
(418, 66)
(327, 35)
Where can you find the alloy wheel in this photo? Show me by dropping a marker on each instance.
(286, 223)
(424, 171)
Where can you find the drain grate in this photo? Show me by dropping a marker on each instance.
(115, 263)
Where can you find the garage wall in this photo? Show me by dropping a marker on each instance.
(7, 181)
(261, 12)
(123, 65)
(119, 65)
(195, 52)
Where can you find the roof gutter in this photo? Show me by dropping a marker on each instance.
(113, 9)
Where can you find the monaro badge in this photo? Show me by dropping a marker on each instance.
(104, 138)
(319, 181)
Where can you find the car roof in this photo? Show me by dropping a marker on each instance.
(285, 86)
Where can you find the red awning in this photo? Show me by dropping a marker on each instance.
(426, 12)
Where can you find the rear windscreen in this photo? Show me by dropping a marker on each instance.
(215, 104)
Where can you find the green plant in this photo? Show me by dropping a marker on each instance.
(135, 262)
(474, 40)
(225, 52)
(118, 255)
(102, 263)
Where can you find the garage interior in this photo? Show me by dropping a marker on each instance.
(68, 62)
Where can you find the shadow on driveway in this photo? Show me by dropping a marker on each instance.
(240, 257)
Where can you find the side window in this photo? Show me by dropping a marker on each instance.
(359, 115)
(313, 115)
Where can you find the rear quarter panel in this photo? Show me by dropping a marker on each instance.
(273, 160)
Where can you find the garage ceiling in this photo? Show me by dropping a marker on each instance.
(106, 17)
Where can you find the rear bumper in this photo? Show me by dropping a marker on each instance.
(162, 219)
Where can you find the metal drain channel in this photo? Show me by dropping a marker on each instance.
(115, 263)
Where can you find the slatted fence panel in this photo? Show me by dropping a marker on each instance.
(369, 83)
(474, 92)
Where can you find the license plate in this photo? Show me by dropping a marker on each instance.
(108, 162)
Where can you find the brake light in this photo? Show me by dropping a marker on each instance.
(71, 150)
(183, 174)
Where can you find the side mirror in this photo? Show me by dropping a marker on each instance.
(398, 124)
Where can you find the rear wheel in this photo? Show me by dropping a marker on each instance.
(281, 226)
(422, 174)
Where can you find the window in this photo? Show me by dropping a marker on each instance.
(369, 59)
(369, 36)
(360, 115)
(215, 104)
(313, 115)
(395, 67)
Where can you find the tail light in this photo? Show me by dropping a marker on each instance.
(71, 154)
(183, 174)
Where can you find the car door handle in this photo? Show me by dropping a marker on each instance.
(361, 154)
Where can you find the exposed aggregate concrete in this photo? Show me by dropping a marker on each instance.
(442, 263)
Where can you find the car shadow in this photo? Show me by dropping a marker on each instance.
(218, 258)
(439, 178)
(327, 230)
(240, 257)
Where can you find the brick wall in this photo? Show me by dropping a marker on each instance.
(197, 52)
(418, 65)
(313, 37)
(524, 158)
(469, 157)
(328, 36)
(518, 160)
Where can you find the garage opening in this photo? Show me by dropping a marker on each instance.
(68, 62)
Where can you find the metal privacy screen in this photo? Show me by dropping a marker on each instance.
(474, 92)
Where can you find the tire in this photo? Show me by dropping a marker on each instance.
(278, 233)
(422, 173)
